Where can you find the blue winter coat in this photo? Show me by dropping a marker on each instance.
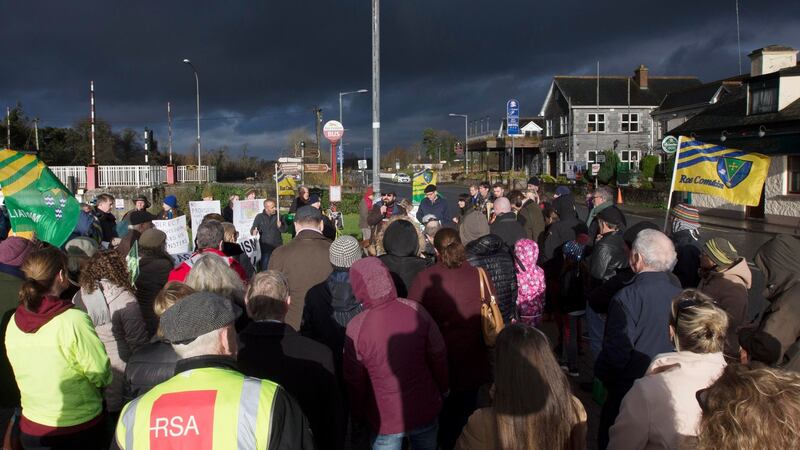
(438, 209)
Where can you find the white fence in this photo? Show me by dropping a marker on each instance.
(132, 176)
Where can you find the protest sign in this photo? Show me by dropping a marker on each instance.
(177, 237)
(198, 210)
(244, 213)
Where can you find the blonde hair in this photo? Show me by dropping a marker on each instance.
(267, 294)
(750, 408)
(41, 269)
(210, 273)
(230, 233)
(700, 326)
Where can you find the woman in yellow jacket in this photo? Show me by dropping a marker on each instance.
(59, 363)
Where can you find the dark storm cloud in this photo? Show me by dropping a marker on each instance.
(263, 65)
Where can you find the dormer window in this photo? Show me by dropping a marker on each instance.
(763, 96)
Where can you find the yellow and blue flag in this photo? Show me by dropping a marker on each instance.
(729, 173)
(419, 182)
(286, 183)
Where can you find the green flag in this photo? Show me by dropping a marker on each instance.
(37, 202)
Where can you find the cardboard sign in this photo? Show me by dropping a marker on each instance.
(177, 237)
(336, 194)
(244, 213)
(251, 247)
(198, 210)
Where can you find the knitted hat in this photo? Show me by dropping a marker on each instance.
(196, 315)
(684, 217)
(612, 216)
(171, 201)
(14, 250)
(152, 238)
(345, 250)
(534, 181)
(760, 346)
(140, 217)
(430, 188)
(721, 251)
(562, 190)
(473, 226)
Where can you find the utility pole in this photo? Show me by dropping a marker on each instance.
(36, 133)
(169, 127)
(91, 101)
(8, 127)
(146, 144)
(376, 96)
(317, 125)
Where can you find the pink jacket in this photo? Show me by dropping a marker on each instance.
(661, 409)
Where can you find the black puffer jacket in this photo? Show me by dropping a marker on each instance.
(561, 232)
(489, 253)
(150, 365)
(607, 257)
(401, 243)
(687, 247)
(153, 273)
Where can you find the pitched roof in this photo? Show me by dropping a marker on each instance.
(582, 90)
(731, 112)
(699, 95)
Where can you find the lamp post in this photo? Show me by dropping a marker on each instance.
(341, 142)
(466, 136)
(197, 97)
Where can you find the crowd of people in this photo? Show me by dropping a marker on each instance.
(426, 332)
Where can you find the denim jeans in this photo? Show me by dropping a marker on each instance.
(422, 438)
(266, 252)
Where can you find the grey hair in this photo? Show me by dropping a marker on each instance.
(605, 192)
(656, 250)
(206, 344)
(432, 227)
(210, 273)
(209, 234)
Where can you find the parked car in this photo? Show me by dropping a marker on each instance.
(402, 178)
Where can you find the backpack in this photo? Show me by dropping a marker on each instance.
(530, 282)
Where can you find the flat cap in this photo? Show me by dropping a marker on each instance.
(140, 217)
(612, 216)
(196, 315)
(430, 188)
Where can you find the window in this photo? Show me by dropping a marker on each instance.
(564, 125)
(562, 163)
(596, 123)
(794, 174)
(548, 127)
(629, 123)
(591, 156)
(764, 96)
(631, 158)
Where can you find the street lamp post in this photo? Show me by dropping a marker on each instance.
(341, 141)
(197, 98)
(466, 136)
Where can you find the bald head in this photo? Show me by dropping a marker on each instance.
(502, 205)
(652, 251)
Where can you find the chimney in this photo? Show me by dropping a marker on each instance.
(771, 59)
(640, 76)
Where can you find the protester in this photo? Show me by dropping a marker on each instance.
(685, 233)
(59, 363)
(561, 231)
(530, 282)
(488, 252)
(750, 408)
(272, 350)
(211, 274)
(635, 331)
(661, 410)
(529, 215)
(328, 230)
(364, 207)
(140, 203)
(232, 249)
(80, 251)
(757, 348)
(209, 239)
(140, 221)
(561, 191)
(572, 301)
(106, 219)
(451, 292)
(498, 191)
(269, 226)
(395, 362)
(106, 294)
(155, 265)
(304, 261)
(533, 190)
(726, 278)
(485, 198)
(463, 207)
(208, 390)
(13, 252)
(602, 199)
(474, 196)
(301, 200)
(155, 362)
(778, 260)
(382, 211)
(505, 223)
(88, 226)
(331, 304)
(227, 211)
(431, 226)
(169, 208)
(434, 204)
(533, 407)
(399, 246)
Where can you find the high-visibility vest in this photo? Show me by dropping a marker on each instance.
(206, 408)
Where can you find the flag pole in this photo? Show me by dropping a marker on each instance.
(277, 192)
(672, 183)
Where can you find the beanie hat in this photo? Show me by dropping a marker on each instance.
(534, 181)
(171, 201)
(760, 346)
(345, 250)
(612, 216)
(430, 188)
(14, 250)
(152, 238)
(684, 217)
(473, 226)
(562, 190)
(721, 251)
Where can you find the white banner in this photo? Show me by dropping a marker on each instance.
(198, 210)
(244, 213)
(177, 236)
(251, 247)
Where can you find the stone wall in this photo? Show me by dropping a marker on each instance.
(780, 207)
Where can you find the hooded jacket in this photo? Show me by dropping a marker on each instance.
(59, 364)
(563, 231)
(490, 253)
(329, 307)
(778, 261)
(729, 289)
(532, 220)
(119, 324)
(687, 248)
(401, 242)
(153, 274)
(395, 361)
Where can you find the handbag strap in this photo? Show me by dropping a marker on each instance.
(485, 281)
(480, 279)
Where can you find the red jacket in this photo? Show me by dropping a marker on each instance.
(179, 273)
(395, 361)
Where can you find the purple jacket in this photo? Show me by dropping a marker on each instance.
(395, 361)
